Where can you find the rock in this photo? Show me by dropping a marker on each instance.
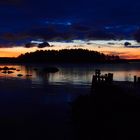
(9, 72)
(19, 75)
(12, 68)
(4, 71)
(5, 68)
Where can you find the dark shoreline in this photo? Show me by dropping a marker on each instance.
(109, 112)
(17, 61)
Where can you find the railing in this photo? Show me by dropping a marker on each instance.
(107, 79)
(98, 78)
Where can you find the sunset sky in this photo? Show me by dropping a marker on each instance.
(115, 48)
(59, 22)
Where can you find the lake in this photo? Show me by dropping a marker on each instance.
(69, 74)
(39, 106)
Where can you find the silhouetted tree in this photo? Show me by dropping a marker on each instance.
(72, 55)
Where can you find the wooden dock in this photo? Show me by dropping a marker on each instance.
(107, 79)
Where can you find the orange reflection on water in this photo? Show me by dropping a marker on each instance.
(20, 69)
(69, 74)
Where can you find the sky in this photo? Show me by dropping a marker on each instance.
(22, 21)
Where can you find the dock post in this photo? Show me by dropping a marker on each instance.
(135, 79)
(94, 80)
(138, 79)
(110, 77)
(97, 72)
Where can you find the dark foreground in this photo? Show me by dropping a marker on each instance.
(37, 113)
(109, 112)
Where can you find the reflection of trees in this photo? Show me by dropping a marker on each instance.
(28, 70)
(38, 75)
(127, 77)
(43, 76)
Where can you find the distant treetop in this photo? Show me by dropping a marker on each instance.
(66, 55)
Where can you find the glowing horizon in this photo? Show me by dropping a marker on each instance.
(116, 48)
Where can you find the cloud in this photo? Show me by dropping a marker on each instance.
(99, 35)
(10, 2)
(116, 53)
(30, 45)
(39, 45)
(14, 36)
(60, 23)
(51, 33)
(54, 33)
(131, 46)
(8, 40)
(76, 31)
(81, 28)
(10, 45)
(43, 45)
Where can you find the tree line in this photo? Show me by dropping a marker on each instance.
(66, 55)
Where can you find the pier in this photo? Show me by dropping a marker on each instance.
(111, 109)
(100, 79)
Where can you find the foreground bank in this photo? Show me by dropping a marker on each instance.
(110, 111)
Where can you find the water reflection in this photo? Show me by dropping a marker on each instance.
(70, 74)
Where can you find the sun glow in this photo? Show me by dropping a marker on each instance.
(113, 48)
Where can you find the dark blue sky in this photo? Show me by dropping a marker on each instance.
(40, 18)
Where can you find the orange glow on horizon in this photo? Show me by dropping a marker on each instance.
(15, 51)
(126, 53)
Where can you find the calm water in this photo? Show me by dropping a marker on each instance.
(48, 110)
(71, 74)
